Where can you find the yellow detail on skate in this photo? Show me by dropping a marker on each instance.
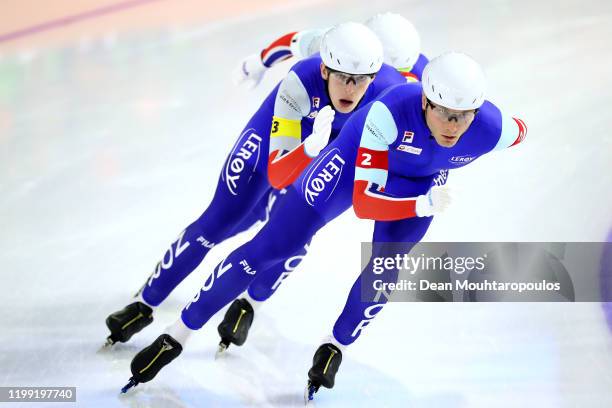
(333, 353)
(156, 357)
(132, 321)
(242, 312)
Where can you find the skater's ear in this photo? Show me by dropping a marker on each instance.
(324, 72)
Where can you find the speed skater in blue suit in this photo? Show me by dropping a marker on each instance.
(390, 163)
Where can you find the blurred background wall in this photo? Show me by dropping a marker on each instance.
(28, 24)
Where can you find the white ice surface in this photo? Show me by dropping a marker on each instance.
(108, 149)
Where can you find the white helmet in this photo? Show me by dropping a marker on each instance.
(455, 81)
(352, 48)
(400, 40)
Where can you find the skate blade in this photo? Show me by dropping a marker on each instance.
(221, 350)
(130, 384)
(108, 344)
(309, 393)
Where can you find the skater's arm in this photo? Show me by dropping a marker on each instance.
(369, 198)
(287, 157)
(278, 50)
(285, 169)
(300, 44)
(371, 202)
(513, 132)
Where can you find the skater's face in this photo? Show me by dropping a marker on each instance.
(447, 125)
(345, 90)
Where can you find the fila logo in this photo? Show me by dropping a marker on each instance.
(408, 136)
(315, 101)
(205, 243)
(247, 268)
(409, 149)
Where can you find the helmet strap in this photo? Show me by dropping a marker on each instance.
(424, 112)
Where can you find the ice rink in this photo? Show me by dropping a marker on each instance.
(111, 145)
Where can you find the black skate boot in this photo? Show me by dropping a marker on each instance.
(235, 325)
(325, 364)
(127, 322)
(147, 363)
